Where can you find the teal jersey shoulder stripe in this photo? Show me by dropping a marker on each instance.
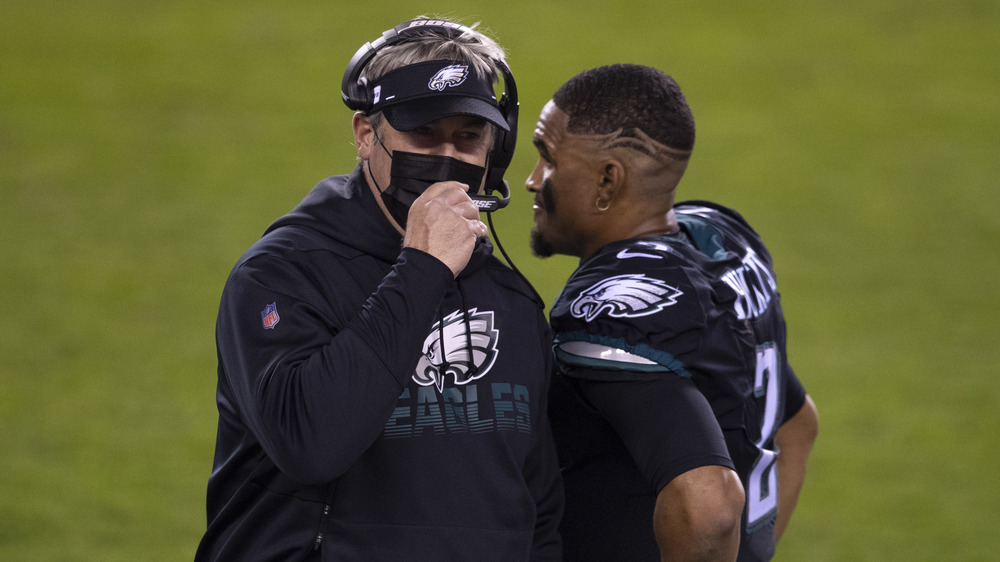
(619, 354)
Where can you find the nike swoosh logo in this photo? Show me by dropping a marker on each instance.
(633, 253)
(626, 253)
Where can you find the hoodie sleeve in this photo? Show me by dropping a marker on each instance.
(316, 390)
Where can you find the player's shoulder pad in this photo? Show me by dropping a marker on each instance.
(697, 206)
(628, 281)
(716, 229)
(728, 222)
(652, 258)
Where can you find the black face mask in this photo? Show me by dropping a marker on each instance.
(411, 174)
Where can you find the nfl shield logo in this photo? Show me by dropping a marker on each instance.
(270, 315)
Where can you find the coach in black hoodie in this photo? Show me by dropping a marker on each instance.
(382, 376)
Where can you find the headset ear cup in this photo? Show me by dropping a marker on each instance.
(353, 88)
(505, 142)
(360, 100)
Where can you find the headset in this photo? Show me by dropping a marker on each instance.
(357, 95)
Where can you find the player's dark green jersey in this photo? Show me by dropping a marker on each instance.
(639, 325)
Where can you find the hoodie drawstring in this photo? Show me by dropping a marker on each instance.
(473, 369)
(444, 353)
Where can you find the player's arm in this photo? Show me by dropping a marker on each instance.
(671, 433)
(697, 515)
(794, 440)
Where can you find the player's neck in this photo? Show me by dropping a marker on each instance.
(659, 224)
(623, 226)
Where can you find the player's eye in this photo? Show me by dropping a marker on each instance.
(543, 151)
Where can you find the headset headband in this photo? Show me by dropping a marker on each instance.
(357, 95)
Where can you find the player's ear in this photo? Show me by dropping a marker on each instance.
(364, 135)
(611, 181)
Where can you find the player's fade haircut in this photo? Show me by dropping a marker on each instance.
(436, 43)
(631, 100)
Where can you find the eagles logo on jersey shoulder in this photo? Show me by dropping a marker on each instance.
(624, 296)
(448, 76)
(450, 354)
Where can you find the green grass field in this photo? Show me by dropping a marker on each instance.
(145, 145)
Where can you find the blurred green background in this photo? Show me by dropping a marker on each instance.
(145, 145)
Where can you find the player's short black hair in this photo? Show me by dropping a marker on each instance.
(627, 97)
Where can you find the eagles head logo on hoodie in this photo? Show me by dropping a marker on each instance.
(462, 345)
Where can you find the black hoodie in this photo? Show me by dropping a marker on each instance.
(344, 431)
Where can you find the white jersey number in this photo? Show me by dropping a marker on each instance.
(762, 495)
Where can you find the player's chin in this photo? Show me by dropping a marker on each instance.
(540, 246)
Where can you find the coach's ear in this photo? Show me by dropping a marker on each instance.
(364, 135)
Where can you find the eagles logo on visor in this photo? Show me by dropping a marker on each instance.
(452, 75)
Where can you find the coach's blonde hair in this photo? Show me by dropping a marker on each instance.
(471, 47)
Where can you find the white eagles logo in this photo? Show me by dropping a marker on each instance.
(449, 76)
(624, 296)
(451, 354)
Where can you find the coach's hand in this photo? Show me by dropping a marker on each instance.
(444, 222)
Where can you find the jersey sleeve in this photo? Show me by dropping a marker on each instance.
(664, 422)
(640, 314)
(795, 394)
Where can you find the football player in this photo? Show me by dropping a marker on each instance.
(682, 431)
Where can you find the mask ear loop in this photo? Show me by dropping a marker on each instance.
(369, 162)
(382, 144)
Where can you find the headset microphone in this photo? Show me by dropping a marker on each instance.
(490, 203)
